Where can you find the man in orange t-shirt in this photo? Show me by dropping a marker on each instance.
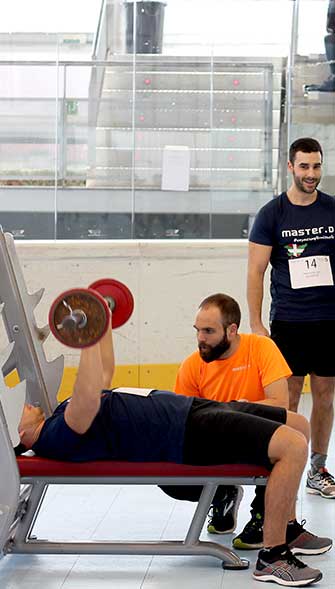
(229, 366)
(252, 368)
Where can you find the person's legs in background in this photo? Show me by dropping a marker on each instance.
(307, 348)
(319, 480)
(251, 536)
(224, 508)
(329, 84)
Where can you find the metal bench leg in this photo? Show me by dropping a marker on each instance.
(230, 560)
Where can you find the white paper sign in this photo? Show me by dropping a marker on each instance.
(176, 168)
(310, 271)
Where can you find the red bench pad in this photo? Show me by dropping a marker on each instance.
(34, 466)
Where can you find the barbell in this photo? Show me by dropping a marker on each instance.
(80, 317)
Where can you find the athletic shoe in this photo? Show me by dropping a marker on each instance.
(251, 537)
(223, 514)
(300, 541)
(326, 86)
(284, 569)
(322, 483)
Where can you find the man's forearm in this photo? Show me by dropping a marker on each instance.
(255, 293)
(107, 357)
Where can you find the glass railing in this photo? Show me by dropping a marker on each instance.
(169, 148)
(171, 130)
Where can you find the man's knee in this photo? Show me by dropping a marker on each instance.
(295, 386)
(299, 423)
(288, 443)
(322, 390)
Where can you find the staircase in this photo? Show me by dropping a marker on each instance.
(226, 112)
(313, 113)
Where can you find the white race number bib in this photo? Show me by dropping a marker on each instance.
(310, 271)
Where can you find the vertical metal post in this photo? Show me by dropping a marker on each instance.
(133, 124)
(63, 138)
(290, 67)
(9, 482)
(211, 126)
(56, 142)
(268, 124)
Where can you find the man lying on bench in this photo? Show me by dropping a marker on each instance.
(101, 424)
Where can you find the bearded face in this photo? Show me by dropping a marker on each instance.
(211, 352)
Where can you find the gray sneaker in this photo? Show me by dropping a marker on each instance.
(284, 569)
(300, 541)
(322, 483)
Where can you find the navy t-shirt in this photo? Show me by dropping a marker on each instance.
(127, 427)
(297, 231)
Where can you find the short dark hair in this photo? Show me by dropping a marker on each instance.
(228, 307)
(20, 449)
(306, 145)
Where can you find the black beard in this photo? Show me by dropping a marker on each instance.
(299, 184)
(211, 353)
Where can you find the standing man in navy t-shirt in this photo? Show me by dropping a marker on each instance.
(295, 233)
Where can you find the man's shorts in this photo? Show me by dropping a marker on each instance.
(307, 347)
(230, 433)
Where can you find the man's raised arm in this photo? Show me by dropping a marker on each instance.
(96, 367)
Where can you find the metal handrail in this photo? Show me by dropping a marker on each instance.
(97, 36)
(128, 59)
(286, 123)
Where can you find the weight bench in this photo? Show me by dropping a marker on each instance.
(36, 474)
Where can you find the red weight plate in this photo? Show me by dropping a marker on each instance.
(95, 308)
(120, 293)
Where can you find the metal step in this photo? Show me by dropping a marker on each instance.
(234, 80)
(199, 157)
(199, 138)
(188, 119)
(202, 179)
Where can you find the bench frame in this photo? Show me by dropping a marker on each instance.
(37, 473)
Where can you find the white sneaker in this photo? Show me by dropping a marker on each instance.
(322, 483)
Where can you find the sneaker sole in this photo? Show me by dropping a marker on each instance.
(310, 551)
(212, 530)
(279, 581)
(244, 546)
(312, 491)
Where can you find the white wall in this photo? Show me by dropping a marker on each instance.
(48, 16)
(168, 280)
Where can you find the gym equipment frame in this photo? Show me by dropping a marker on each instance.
(35, 474)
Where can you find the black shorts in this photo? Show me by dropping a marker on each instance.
(230, 433)
(306, 346)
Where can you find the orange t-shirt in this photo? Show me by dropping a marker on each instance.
(256, 363)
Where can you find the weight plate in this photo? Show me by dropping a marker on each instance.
(84, 303)
(120, 294)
